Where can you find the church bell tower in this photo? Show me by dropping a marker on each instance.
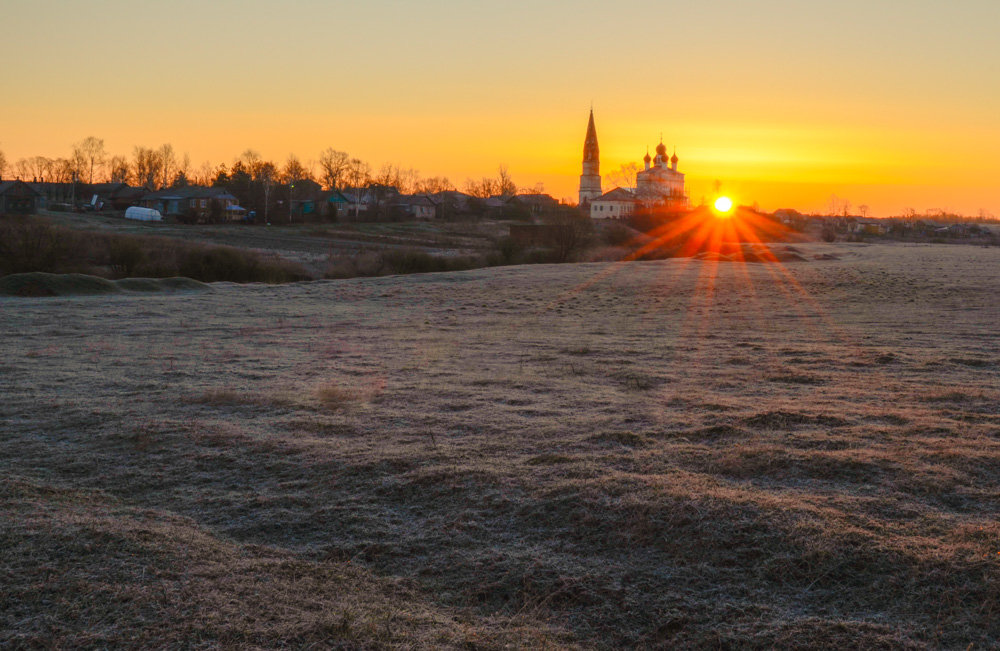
(590, 180)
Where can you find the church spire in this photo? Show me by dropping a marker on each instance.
(590, 180)
(591, 152)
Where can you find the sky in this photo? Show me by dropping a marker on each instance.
(891, 104)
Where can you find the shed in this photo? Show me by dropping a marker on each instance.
(17, 197)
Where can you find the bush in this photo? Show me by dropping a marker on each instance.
(509, 249)
(124, 256)
(189, 217)
(31, 246)
(213, 264)
(409, 261)
(618, 235)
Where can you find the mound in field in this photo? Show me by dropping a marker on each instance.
(45, 284)
(751, 253)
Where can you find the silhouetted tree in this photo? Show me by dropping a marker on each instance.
(251, 161)
(573, 232)
(433, 185)
(180, 180)
(624, 177)
(90, 153)
(500, 185)
(38, 167)
(333, 168)
(118, 169)
(294, 170)
(168, 162)
(146, 167)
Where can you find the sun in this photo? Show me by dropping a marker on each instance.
(724, 206)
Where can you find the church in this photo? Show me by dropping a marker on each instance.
(659, 184)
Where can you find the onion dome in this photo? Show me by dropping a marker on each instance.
(673, 159)
(646, 158)
(661, 150)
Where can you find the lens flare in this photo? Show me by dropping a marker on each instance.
(724, 205)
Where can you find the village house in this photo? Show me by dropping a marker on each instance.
(452, 203)
(536, 203)
(305, 198)
(414, 206)
(332, 204)
(360, 201)
(99, 196)
(193, 201)
(867, 226)
(17, 197)
(616, 204)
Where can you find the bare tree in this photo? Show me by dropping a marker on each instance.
(357, 176)
(505, 183)
(500, 185)
(294, 170)
(205, 174)
(22, 169)
(358, 173)
(571, 232)
(62, 170)
(624, 177)
(3, 164)
(91, 153)
(168, 163)
(146, 166)
(408, 180)
(252, 162)
(184, 169)
(78, 163)
(39, 167)
(333, 165)
(118, 171)
(432, 185)
(387, 175)
(484, 188)
(863, 209)
(266, 174)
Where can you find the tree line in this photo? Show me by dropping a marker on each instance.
(161, 167)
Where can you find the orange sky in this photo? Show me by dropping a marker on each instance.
(886, 103)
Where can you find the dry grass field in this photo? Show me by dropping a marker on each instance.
(681, 453)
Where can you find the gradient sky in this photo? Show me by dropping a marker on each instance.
(890, 103)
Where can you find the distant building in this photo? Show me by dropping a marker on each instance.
(452, 203)
(867, 225)
(193, 200)
(414, 206)
(17, 197)
(536, 203)
(658, 185)
(333, 204)
(101, 196)
(616, 204)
